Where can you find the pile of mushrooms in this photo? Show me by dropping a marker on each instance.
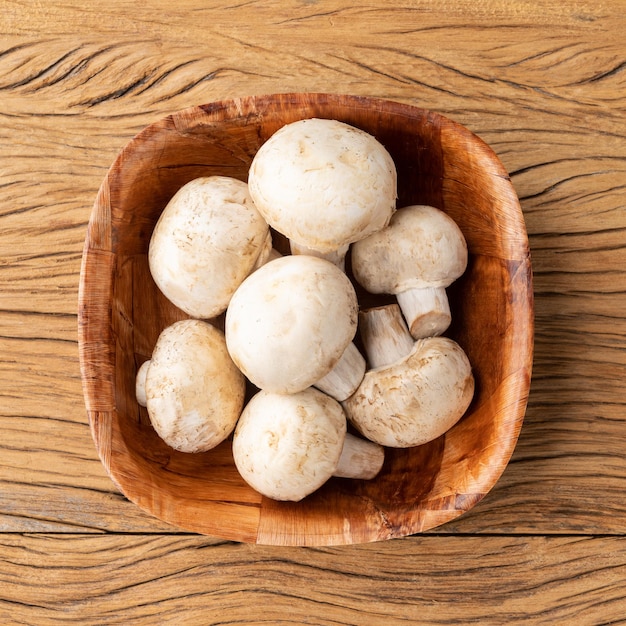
(290, 321)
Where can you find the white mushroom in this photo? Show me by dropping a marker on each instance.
(290, 325)
(140, 383)
(416, 391)
(207, 240)
(323, 184)
(416, 257)
(287, 446)
(194, 391)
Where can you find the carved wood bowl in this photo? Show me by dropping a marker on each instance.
(121, 313)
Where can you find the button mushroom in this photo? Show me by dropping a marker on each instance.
(290, 325)
(416, 257)
(207, 240)
(194, 392)
(323, 184)
(287, 446)
(416, 391)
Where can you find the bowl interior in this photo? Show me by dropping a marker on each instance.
(121, 313)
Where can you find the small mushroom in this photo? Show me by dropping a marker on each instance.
(290, 325)
(208, 238)
(416, 257)
(194, 392)
(323, 184)
(287, 446)
(416, 391)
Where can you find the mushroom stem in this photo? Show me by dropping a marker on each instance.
(426, 310)
(140, 383)
(359, 458)
(343, 380)
(336, 257)
(385, 335)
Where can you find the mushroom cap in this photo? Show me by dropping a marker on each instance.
(289, 322)
(207, 240)
(194, 391)
(416, 399)
(287, 446)
(323, 183)
(421, 247)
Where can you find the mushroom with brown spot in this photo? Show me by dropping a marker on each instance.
(415, 390)
(290, 325)
(416, 257)
(194, 392)
(323, 184)
(208, 238)
(287, 446)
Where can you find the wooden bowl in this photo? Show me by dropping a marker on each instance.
(121, 313)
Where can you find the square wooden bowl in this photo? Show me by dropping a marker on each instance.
(121, 313)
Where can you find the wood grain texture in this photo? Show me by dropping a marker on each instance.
(543, 83)
(428, 580)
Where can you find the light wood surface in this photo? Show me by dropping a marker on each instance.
(542, 83)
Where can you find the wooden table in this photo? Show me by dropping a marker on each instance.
(543, 83)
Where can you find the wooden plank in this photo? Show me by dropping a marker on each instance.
(554, 482)
(542, 85)
(149, 579)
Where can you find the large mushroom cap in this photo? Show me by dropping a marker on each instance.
(323, 183)
(194, 391)
(287, 446)
(421, 247)
(207, 240)
(416, 399)
(289, 322)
